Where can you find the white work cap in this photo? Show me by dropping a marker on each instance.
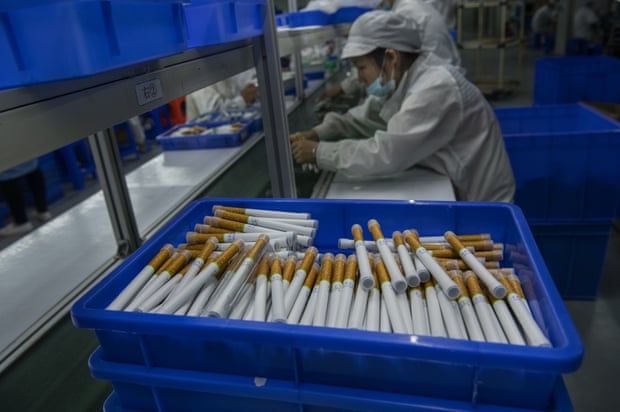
(383, 29)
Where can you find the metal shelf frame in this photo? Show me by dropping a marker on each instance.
(500, 43)
(37, 119)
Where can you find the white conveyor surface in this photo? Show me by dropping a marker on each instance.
(414, 184)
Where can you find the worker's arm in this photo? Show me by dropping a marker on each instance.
(359, 122)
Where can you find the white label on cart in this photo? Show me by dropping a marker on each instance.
(149, 91)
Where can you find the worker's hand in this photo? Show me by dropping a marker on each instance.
(249, 94)
(307, 135)
(304, 151)
(331, 92)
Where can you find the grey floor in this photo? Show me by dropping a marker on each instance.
(57, 371)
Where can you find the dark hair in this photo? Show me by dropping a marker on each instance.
(407, 58)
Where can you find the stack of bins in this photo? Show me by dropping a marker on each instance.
(560, 80)
(565, 162)
(177, 363)
(54, 40)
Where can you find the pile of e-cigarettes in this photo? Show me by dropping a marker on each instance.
(259, 265)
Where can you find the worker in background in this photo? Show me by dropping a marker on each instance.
(11, 188)
(434, 36)
(237, 92)
(586, 29)
(543, 26)
(435, 117)
(447, 10)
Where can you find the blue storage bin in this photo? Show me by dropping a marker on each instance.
(291, 90)
(255, 124)
(210, 22)
(314, 75)
(347, 14)
(207, 141)
(565, 161)
(164, 390)
(60, 39)
(281, 20)
(579, 78)
(464, 371)
(575, 255)
(308, 18)
(4, 211)
(48, 163)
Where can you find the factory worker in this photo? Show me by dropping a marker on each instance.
(435, 118)
(543, 24)
(586, 28)
(434, 32)
(434, 36)
(446, 9)
(237, 92)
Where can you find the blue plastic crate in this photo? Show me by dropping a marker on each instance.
(579, 78)
(210, 22)
(164, 390)
(480, 373)
(281, 20)
(255, 123)
(565, 161)
(207, 141)
(54, 190)
(314, 75)
(575, 255)
(308, 18)
(347, 14)
(291, 90)
(44, 41)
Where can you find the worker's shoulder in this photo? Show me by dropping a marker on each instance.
(437, 71)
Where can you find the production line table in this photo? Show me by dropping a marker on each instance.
(414, 184)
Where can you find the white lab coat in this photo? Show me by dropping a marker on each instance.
(582, 23)
(435, 119)
(544, 20)
(221, 96)
(435, 35)
(360, 122)
(447, 10)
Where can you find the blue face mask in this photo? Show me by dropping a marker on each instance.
(377, 89)
(381, 90)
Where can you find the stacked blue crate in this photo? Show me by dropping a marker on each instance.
(560, 80)
(77, 163)
(564, 158)
(137, 388)
(89, 36)
(52, 172)
(4, 211)
(162, 361)
(210, 22)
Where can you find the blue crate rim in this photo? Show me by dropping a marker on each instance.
(560, 61)
(8, 5)
(166, 135)
(614, 125)
(566, 358)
